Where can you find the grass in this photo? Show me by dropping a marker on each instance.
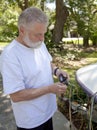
(3, 44)
(75, 40)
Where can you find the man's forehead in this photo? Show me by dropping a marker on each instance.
(40, 27)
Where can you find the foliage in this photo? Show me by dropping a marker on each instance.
(82, 16)
(8, 21)
(81, 20)
(49, 33)
(11, 10)
(23, 4)
(93, 37)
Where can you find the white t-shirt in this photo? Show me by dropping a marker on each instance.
(24, 68)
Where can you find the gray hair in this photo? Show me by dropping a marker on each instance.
(32, 15)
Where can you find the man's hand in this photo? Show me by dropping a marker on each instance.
(57, 88)
(62, 74)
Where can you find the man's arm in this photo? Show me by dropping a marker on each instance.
(32, 93)
(28, 94)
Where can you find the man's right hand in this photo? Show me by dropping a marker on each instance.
(58, 88)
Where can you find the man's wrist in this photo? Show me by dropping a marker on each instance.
(55, 71)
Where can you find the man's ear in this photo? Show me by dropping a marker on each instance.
(22, 30)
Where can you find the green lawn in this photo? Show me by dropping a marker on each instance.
(74, 40)
(3, 44)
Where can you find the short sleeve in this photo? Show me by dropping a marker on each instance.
(49, 55)
(11, 74)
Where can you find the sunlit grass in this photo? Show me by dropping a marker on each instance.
(3, 44)
(75, 40)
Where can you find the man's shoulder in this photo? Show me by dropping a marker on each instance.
(10, 46)
(9, 49)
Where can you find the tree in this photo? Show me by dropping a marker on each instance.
(9, 12)
(8, 21)
(61, 17)
(81, 11)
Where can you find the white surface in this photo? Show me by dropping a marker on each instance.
(87, 76)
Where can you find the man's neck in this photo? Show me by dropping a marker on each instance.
(19, 39)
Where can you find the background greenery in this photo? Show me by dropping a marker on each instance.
(78, 18)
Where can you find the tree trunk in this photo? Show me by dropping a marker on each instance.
(61, 16)
(94, 43)
(86, 41)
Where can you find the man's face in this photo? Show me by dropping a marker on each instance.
(34, 36)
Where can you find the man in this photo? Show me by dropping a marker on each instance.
(27, 74)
